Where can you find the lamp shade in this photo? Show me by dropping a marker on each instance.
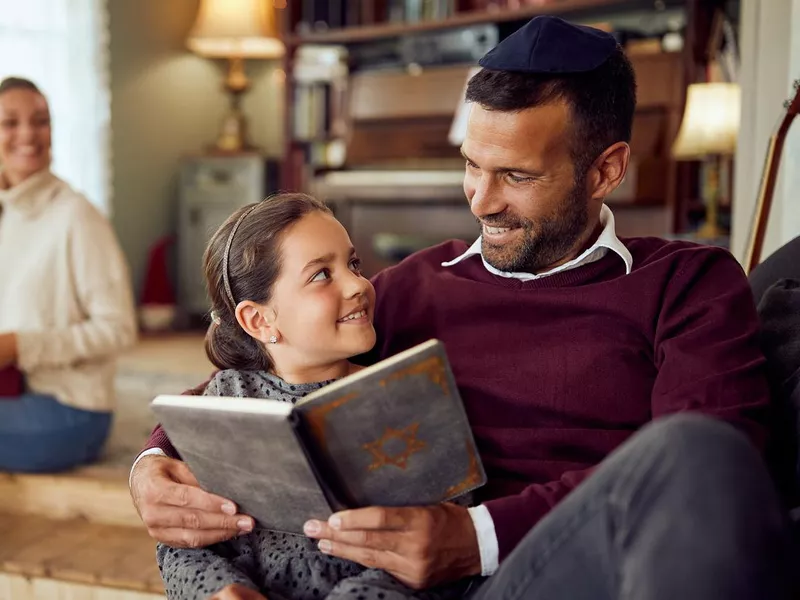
(710, 123)
(236, 29)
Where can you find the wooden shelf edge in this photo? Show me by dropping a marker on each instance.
(365, 33)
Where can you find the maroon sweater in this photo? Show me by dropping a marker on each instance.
(555, 373)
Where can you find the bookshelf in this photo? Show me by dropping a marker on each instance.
(366, 33)
(681, 68)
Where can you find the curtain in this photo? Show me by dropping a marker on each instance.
(62, 46)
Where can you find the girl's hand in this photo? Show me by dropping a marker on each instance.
(236, 591)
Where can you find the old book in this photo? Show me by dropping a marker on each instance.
(393, 434)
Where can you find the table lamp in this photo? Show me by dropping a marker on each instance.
(708, 132)
(236, 30)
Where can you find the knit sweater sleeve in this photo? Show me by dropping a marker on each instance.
(514, 516)
(707, 349)
(102, 287)
(708, 359)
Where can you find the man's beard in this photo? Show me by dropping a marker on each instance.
(545, 241)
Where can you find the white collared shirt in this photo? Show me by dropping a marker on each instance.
(607, 240)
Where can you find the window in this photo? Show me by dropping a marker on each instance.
(62, 46)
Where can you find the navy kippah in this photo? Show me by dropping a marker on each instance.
(551, 45)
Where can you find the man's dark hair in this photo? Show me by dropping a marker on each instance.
(602, 101)
(18, 83)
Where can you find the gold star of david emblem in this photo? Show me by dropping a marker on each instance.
(381, 458)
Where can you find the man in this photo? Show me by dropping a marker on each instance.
(566, 343)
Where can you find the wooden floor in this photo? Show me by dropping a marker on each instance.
(15, 587)
(96, 494)
(111, 559)
(179, 354)
(76, 535)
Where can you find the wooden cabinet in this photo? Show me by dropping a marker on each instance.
(210, 189)
(659, 108)
(660, 80)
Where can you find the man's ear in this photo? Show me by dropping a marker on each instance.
(257, 320)
(609, 170)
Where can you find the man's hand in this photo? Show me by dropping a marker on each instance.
(421, 547)
(8, 349)
(177, 511)
(236, 591)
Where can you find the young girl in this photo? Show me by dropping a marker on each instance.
(290, 306)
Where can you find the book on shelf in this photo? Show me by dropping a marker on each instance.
(320, 90)
(392, 434)
(319, 15)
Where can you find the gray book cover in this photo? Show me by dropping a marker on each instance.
(393, 434)
(245, 449)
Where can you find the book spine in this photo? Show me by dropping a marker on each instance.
(306, 17)
(319, 465)
(322, 15)
(397, 12)
(413, 10)
(368, 13)
(353, 16)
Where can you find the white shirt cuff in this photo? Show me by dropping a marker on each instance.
(487, 539)
(148, 452)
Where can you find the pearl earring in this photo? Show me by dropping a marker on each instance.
(273, 339)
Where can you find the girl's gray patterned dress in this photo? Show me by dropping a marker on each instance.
(281, 566)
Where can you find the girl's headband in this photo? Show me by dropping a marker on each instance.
(225, 257)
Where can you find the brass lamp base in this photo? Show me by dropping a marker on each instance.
(233, 132)
(233, 135)
(710, 231)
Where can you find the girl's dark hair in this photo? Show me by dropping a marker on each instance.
(253, 263)
(18, 83)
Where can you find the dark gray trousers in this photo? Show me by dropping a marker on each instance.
(684, 510)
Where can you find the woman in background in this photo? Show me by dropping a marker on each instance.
(66, 306)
